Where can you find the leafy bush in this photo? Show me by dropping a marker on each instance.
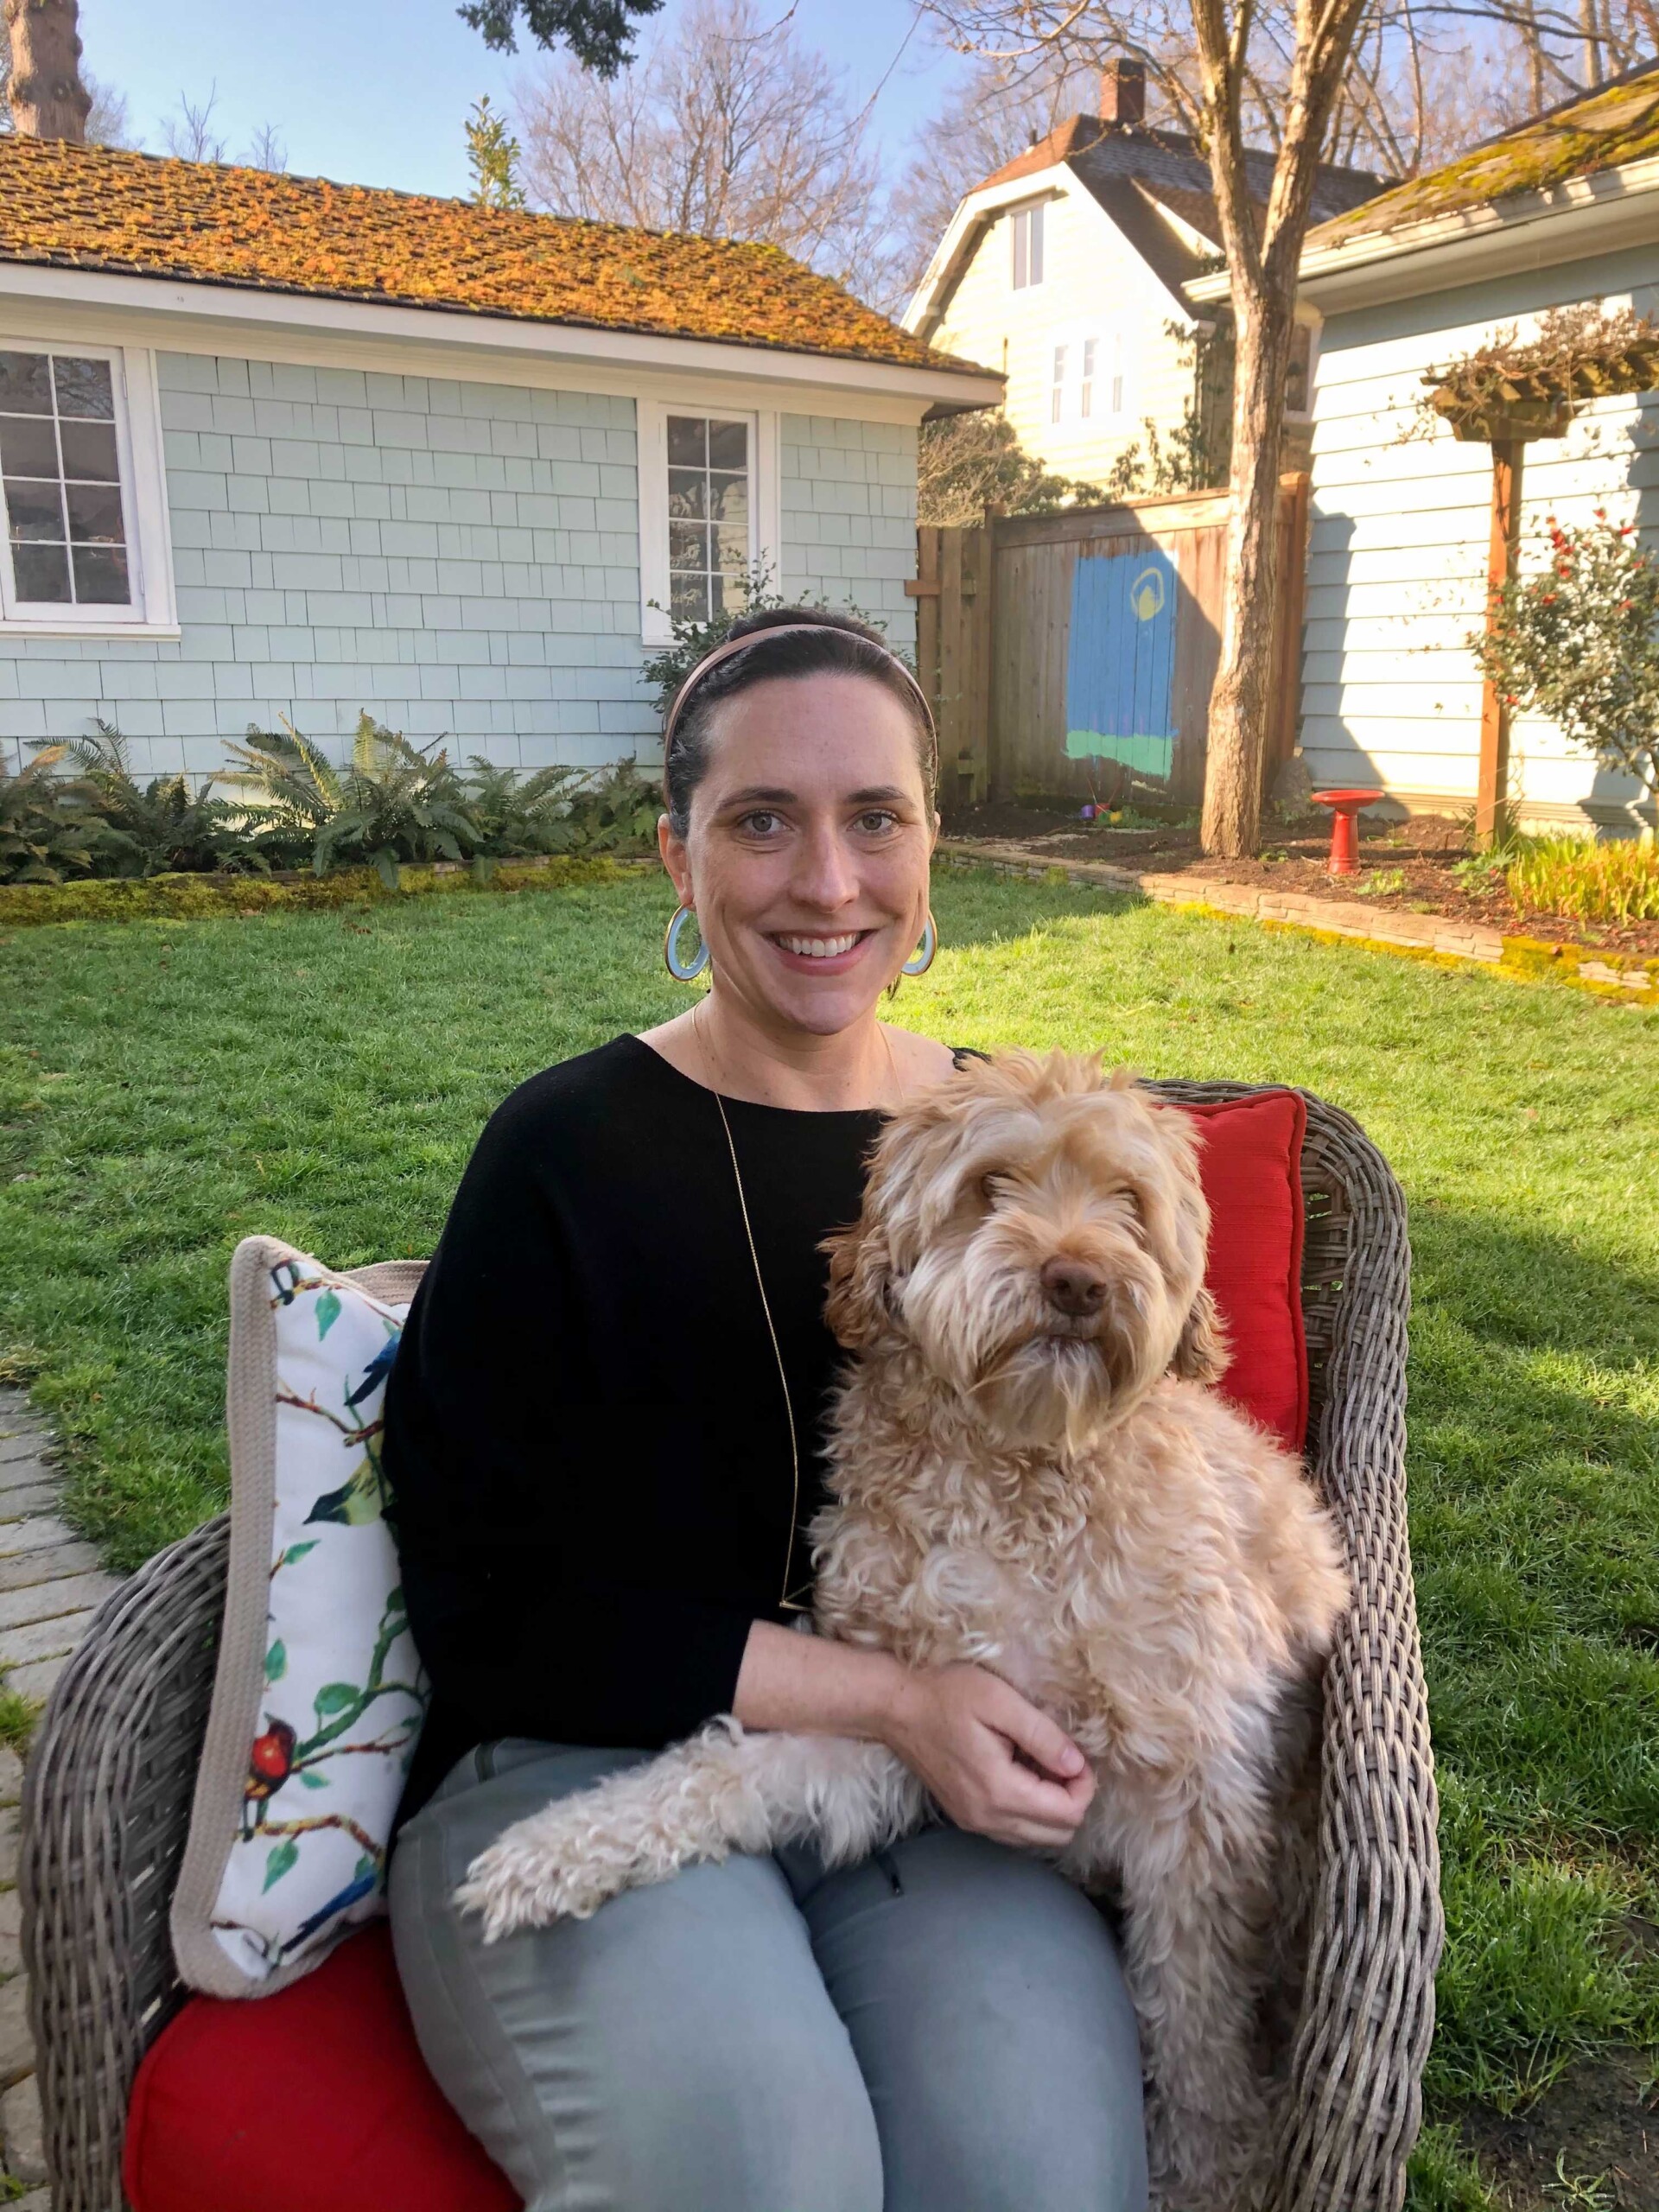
(45, 834)
(1618, 882)
(668, 669)
(163, 827)
(1578, 641)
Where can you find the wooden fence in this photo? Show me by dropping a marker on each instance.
(1071, 656)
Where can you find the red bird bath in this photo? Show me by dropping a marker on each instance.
(1344, 837)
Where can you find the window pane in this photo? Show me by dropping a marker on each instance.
(88, 451)
(688, 545)
(25, 384)
(35, 510)
(687, 492)
(41, 572)
(731, 546)
(689, 598)
(94, 513)
(728, 499)
(29, 445)
(1036, 272)
(101, 575)
(84, 387)
(688, 442)
(728, 594)
(728, 445)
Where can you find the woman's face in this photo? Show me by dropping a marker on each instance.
(806, 855)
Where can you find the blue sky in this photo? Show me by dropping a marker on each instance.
(401, 74)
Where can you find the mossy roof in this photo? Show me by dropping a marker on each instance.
(1619, 124)
(94, 207)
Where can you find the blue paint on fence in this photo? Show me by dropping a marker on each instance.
(1121, 662)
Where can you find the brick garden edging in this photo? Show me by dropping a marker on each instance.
(50, 1583)
(1436, 936)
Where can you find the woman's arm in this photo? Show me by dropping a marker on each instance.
(987, 1757)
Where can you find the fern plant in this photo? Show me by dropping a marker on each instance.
(300, 791)
(45, 832)
(516, 814)
(394, 801)
(163, 827)
(616, 812)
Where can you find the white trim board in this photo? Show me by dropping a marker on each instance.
(327, 332)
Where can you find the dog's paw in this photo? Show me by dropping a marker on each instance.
(517, 1884)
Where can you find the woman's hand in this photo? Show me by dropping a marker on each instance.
(991, 1760)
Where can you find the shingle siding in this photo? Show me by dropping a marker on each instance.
(461, 559)
(849, 516)
(1399, 545)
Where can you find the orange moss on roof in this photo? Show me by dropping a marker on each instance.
(93, 207)
(1618, 124)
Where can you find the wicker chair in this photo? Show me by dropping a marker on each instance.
(108, 1793)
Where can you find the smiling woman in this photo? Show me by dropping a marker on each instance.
(604, 1442)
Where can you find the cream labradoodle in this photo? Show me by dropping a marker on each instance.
(1029, 1473)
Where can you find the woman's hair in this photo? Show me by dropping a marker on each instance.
(837, 644)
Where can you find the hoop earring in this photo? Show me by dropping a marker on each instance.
(922, 959)
(682, 972)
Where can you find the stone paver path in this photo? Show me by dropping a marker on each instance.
(50, 1581)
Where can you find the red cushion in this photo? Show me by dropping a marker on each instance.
(316, 2100)
(1250, 1165)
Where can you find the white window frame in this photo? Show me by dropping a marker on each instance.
(765, 528)
(152, 611)
(1026, 222)
(1107, 389)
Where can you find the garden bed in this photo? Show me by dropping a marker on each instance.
(1405, 868)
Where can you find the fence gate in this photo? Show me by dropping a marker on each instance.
(1073, 655)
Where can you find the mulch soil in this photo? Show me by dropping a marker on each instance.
(1407, 865)
(1597, 2128)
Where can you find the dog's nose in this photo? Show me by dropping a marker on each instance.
(1073, 1286)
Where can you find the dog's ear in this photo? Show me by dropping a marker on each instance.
(861, 1275)
(1201, 1349)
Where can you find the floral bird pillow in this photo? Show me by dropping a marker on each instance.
(319, 1695)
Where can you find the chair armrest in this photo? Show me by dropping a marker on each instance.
(106, 1807)
(1355, 2102)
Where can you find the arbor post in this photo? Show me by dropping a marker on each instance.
(1492, 786)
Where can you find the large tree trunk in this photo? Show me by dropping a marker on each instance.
(47, 98)
(1242, 700)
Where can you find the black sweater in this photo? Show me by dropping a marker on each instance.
(586, 1438)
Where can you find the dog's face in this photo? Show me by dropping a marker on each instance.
(1035, 1230)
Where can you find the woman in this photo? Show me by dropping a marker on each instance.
(602, 1436)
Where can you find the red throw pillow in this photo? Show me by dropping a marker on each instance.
(1251, 1164)
(315, 2099)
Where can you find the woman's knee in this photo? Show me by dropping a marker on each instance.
(677, 2053)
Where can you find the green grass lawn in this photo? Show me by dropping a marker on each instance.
(166, 1088)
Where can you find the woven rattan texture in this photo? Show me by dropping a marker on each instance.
(108, 1796)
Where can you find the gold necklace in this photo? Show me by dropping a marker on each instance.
(785, 1602)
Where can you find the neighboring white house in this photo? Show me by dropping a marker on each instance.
(1068, 272)
(277, 447)
(1563, 210)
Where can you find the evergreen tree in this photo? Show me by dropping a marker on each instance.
(493, 155)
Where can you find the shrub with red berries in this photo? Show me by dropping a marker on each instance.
(1576, 641)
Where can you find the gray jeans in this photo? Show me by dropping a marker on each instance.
(943, 2029)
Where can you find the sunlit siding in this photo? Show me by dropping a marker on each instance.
(1094, 282)
(1401, 529)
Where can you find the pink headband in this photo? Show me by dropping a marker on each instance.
(732, 645)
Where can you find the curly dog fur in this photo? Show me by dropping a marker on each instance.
(1029, 1472)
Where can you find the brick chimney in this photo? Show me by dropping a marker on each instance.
(1123, 92)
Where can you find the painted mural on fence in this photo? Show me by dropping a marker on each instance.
(1121, 662)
